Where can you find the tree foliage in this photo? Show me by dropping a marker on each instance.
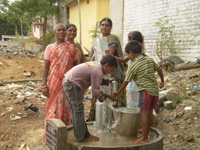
(12, 19)
(11, 15)
(42, 8)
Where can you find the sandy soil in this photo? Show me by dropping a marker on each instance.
(13, 67)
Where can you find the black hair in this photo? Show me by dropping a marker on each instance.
(110, 59)
(133, 46)
(69, 25)
(135, 35)
(106, 19)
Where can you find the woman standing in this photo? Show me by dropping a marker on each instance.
(71, 32)
(114, 48)
(59, 57)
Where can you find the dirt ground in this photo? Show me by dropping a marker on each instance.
(12, 67)
(20, 127)
(25, 130)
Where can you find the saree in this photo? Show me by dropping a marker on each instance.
(81, 56)
(61, 61)
(118, 74)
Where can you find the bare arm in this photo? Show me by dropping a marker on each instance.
(110, 50)
(44, 78)
(112, 97)
(160, 72)
(119, 59)
(91, 54)
(83, 58)
(45, 72)
(123, 86)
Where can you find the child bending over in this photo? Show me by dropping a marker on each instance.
(76, 81)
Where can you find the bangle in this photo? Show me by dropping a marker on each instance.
(44, 86)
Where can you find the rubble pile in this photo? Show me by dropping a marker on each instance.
(185, 81)
(181, 125)
(178, 113)
(17, 51)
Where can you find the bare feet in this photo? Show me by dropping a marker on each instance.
(91, 138)
(143, 142)
(136, 140)
(140, 140)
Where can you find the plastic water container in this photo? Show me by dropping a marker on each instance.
(132, 95)
(99, 106)
(132, 99)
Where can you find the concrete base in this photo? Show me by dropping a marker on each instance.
(112, 141)
(57, 133)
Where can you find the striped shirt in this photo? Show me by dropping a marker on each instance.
(142, 71)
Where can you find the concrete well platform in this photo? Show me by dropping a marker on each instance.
(112, 141)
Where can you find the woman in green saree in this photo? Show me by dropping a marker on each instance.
(114, 48)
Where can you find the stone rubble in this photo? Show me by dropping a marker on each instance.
(17, 51)
(180, 124)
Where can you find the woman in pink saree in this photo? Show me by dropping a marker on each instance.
(59, 58)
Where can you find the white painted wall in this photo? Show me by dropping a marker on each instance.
(36, 31)
(141, 15)
(116, 13)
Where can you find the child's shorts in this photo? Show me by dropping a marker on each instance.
(146, 100)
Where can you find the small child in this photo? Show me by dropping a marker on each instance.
(76, 81)
(142, 71)
(132, 92)
(133, 35)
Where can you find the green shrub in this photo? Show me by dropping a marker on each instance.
(49, 37)
(164, 42)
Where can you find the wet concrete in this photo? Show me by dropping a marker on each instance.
(112, 141)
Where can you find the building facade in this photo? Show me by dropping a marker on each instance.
(92, 11)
